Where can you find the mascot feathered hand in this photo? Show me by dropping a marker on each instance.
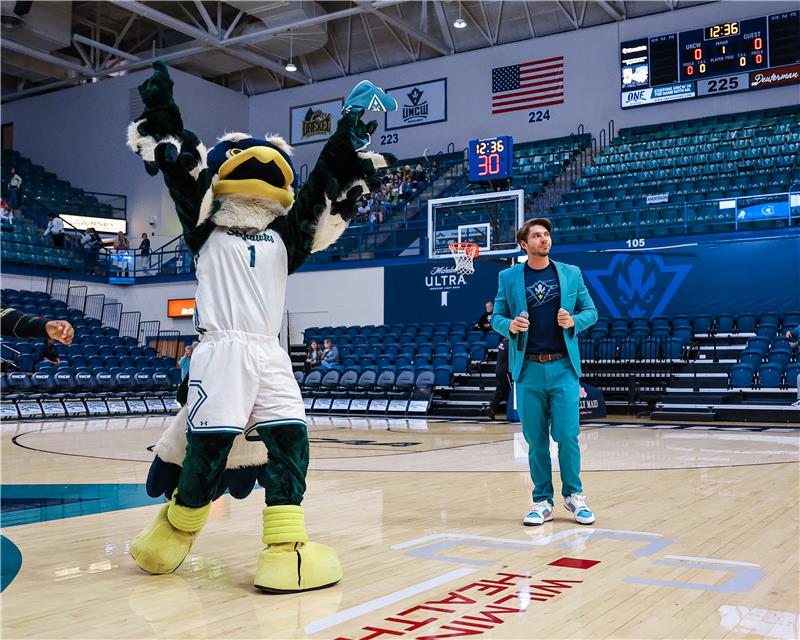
(243, 418)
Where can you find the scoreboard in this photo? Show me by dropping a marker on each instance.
(491, 158)
(738, 55)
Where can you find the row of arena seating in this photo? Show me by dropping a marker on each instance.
(702, 323)
(646, 348)
(371, 331)
(460, 355)
(100, 373)
(763, 349)
(401, 392)
(92, 381)
(84, 391)
(731, 156)
(770, 375)
(22, 244)
(39, 185)
(443, 373)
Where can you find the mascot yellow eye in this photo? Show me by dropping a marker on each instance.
(232, 152)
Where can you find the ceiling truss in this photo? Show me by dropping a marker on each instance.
(119, 36)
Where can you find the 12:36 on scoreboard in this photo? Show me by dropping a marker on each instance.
(735, 55)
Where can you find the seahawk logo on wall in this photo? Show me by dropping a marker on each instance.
(317, 123)
(417, 111)
(422, 103)
(638, 286)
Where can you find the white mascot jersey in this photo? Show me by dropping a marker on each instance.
(239, 276)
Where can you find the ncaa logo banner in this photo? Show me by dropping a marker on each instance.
(314, 122)
(418, 104)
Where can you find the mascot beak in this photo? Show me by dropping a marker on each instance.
(256, 171)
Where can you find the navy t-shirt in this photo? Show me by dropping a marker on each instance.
(543, 295)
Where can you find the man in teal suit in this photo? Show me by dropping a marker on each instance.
(545, 363)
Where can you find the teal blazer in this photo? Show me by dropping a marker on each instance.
(510, 302)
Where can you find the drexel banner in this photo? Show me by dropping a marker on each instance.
(314, 122)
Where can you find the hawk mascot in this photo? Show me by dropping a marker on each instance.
(243, 421)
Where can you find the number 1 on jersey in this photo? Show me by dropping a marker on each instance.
(252, 256)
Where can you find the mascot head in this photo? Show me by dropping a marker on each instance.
(253, 180)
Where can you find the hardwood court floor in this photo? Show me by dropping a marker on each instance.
(696, 537)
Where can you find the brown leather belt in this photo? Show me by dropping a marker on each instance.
(544, 357)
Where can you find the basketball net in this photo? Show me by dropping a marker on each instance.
(464, 253)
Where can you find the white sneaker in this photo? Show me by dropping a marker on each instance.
(577, 504)
(542, 512)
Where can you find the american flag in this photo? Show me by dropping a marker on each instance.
(539, 83)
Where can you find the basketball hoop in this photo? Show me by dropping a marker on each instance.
(464, 253)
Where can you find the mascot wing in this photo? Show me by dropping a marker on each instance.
(345, 169)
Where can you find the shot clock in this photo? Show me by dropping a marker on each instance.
(730, 56)
(490, 158)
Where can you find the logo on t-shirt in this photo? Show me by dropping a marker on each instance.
(540, 292)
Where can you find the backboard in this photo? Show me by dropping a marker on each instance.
(490, 220)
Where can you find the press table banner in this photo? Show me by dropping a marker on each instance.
(743, 276)
(434, 292)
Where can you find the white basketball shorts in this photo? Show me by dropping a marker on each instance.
(239, 381)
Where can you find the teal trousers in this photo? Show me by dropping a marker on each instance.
(547, 402)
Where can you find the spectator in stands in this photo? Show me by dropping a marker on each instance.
(794, 336)
(376, 213)
(484, 323)
(144, 252)
(330, 357)
(503, 387)
(184, 256)
(419, 176)
(16, 324)
(363, 210)
(121, 247)
(314, 356)
(55, 229)
(183, 363)
(14, 189)
(91, 243)
(121, 242)
(406, 189)
(6, 214)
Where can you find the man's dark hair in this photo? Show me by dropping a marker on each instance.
(522, 234)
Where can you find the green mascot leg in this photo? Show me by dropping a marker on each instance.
(164, 544)
(290, 563)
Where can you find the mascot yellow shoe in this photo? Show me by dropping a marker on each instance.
(163, 545)
(291, 563)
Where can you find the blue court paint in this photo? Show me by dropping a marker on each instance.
(10, 562)
(30, 503)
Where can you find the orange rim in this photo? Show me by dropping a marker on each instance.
(465, 248)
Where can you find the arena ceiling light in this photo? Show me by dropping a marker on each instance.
(291, 67)
(459, 22)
